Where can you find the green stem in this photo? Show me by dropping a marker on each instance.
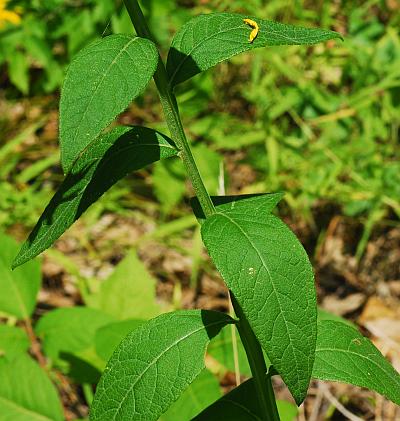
(262, 381)
(171, 112)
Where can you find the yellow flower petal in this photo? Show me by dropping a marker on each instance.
(9, 16)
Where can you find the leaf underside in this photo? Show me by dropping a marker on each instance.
(241, 404)
(269, 273)
(207, 40)
(344, 355)
(110, 158)
(154, 364)
(100, 83)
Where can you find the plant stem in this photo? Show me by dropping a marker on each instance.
(262, 382)
(253, 349)
(171, 112)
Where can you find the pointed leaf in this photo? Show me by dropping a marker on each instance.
(20, 287)
(70, 329)
(129, 292)
(344, 355)
(241, 404)
(26, 393)
(207, 40)
(154, 364)
(268, 271)
(100, 83)
(109, 159)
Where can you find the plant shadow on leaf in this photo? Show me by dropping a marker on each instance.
(107, 160)
(212, 322)
(176, 56)
(224, 200)
(79, 370)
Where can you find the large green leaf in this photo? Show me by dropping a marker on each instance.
(18, 288)
(70, 329)
(154, 364)
(100, 83)
(241, 404)
(268, 271)
(109, 159)
(206, 40)
(13, 342)
(129, 292)
(200, 394)
(344, 355)
(108, 337)
(26, 393)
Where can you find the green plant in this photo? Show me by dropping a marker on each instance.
(263, 264)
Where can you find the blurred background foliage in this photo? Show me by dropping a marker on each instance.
(321, 123)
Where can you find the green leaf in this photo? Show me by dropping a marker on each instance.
(221, 349)
(100, 83)
(241, 404)
(108, 337)
(18, 70)
(169, 183)
(109, 159)
(207, 40)
(326, 315)
(26, 393)
(13, 342)
(344, 355)
(201, 393)
(154, 364)
(70, 329)
(18, 288)
(208, 162)
(268, 271)
(129, 292)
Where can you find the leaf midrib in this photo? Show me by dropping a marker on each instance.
(154, 361)
(273, 286)
(24, 410)
(197, 46)
(22, 307)
(131, 41)
(38, 241)
(359, 356)
(244, 408)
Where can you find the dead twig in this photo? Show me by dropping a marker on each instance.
(344, 411)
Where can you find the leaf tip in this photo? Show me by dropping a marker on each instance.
(18, 261)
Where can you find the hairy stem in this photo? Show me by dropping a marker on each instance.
(171, 112)
(262, 382)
